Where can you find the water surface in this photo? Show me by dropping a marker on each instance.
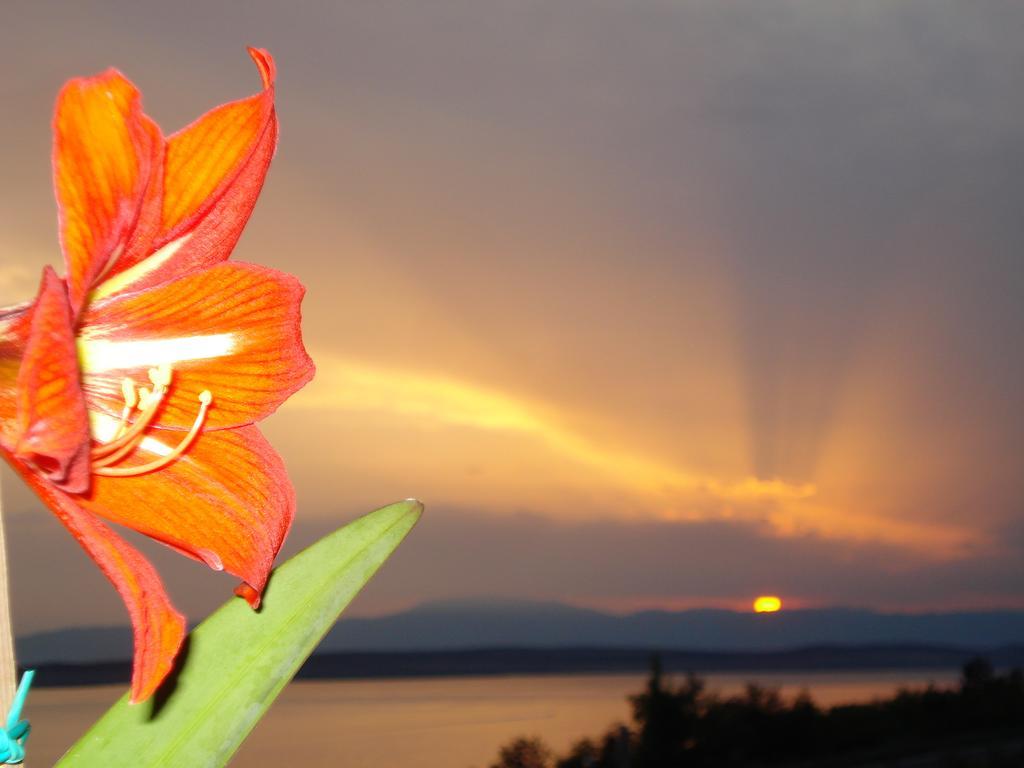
(441, 722)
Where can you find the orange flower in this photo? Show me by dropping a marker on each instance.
(130, 388)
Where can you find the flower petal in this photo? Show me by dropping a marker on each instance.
(226, 502)
(14, 327)
(52, 428)
(205, 158)
(214, 170)
(103, 153)
(148, 225)
(232, 329)
(157, 627)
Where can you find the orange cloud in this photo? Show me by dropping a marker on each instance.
(666, 491)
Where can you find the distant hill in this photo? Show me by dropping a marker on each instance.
(530, 625)
(477, 624)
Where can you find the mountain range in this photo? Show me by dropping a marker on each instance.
(489, 624)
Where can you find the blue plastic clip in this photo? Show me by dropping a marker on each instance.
(15, 734)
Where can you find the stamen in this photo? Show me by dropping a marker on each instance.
(131, 399)
(128, 438)
(205, 398)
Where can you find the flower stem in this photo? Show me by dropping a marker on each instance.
(8, 668)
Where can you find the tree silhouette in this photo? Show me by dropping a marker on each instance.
(683, 726)
(666, 719)
(524, 753)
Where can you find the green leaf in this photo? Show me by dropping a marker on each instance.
(239, 660)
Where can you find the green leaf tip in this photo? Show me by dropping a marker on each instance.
(237, 661)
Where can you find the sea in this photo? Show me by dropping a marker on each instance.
(454, 722)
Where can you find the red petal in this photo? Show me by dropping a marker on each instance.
(103, 153)
(14, 327)
(227, 502)
(214, 170)
(148, 226)
(250, 595)
(205, 158)
(157, 627)
(232, 329)
(52, 425)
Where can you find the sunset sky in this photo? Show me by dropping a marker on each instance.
(653, 304)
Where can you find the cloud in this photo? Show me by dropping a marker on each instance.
(348, 385)
(469, 419)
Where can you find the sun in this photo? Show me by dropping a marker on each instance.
(767, 604)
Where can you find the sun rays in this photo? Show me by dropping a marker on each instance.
(663, 489)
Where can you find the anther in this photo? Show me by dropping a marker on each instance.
(160, 376)
(131, 399)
